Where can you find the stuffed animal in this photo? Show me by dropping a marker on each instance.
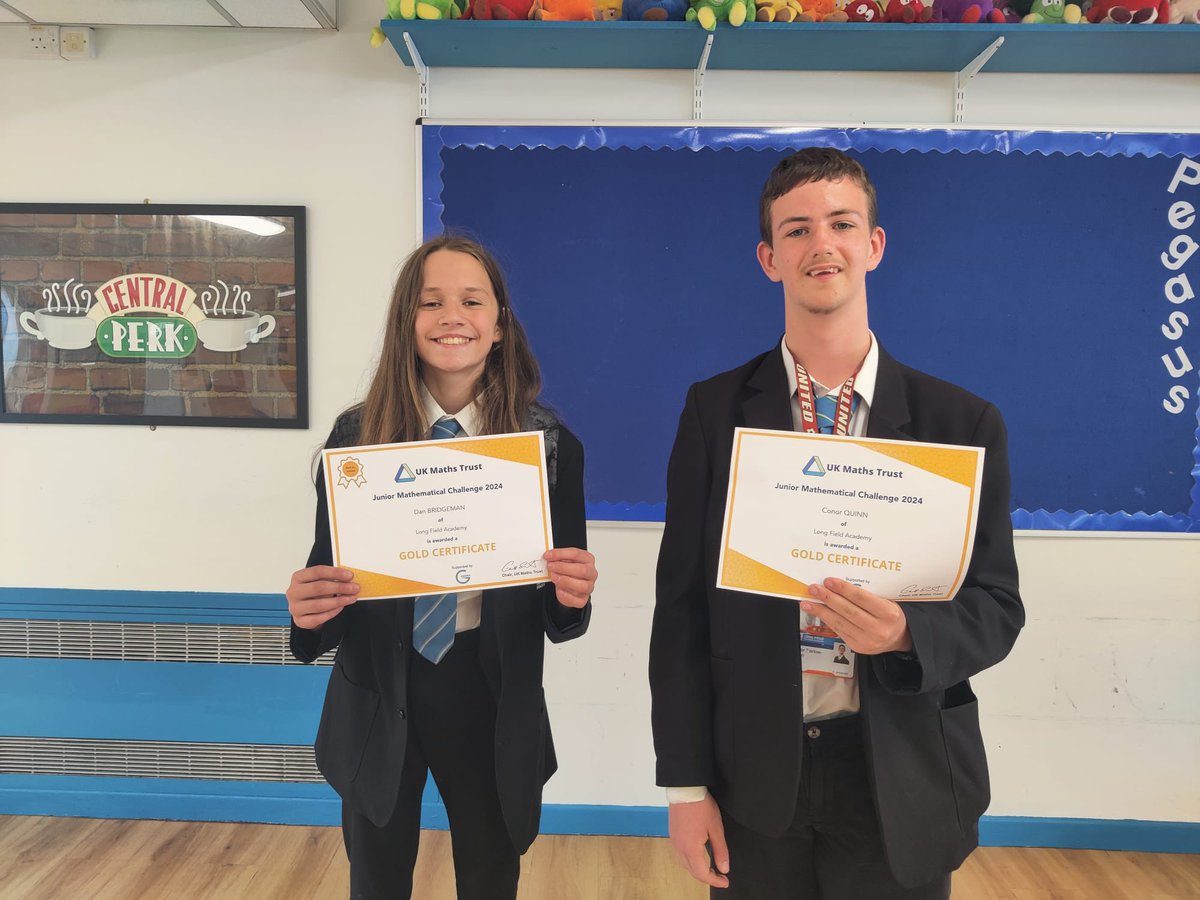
(425, 9)
(863, 11)
(608, 10)
(709, 12)
(777, 10)
(1053, 12)
(822, 11)
(966, 11)
(1013, 10)
(1185, 12)
(906, 11)
(1129, 12)
(656, 10)
(501, 10)
(563, 10)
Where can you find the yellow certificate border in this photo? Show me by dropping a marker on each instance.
(799, 589)
(377, 580)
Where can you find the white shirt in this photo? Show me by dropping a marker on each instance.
(824, 697)
(470, 603)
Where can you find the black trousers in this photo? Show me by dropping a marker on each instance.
(451, 733)
(832, 848)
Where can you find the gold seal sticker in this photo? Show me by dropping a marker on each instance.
(350, 471)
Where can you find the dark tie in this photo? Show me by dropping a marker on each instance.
(434, 615)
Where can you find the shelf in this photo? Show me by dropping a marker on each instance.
(814, 47)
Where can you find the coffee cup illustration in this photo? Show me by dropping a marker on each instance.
(228, 324)
(64, 322)
(233, 332)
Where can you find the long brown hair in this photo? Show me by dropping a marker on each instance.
(511, 380)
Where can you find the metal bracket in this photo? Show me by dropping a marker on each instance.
(966, 73)
(698, 81)
(423, 75)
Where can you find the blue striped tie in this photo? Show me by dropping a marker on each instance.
(435, 615)
(827, 411)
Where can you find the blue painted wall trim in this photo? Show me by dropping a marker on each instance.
(317, 804)
(78, 604)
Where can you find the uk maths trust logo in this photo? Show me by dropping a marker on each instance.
(405, 474)
(814, 467)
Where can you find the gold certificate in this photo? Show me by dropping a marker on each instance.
(893, 517)
(428, 517)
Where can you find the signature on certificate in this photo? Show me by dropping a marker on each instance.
(917, 590)
(514, 568)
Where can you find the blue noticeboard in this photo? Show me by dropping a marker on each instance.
(1044, 271)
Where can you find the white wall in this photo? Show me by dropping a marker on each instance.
(1094, 715)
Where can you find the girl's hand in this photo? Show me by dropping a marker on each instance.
(573, 572)
(319, 593)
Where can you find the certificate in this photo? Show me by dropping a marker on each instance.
(893, 517)
(429, 517)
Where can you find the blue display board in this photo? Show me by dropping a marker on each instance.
(1051, 273)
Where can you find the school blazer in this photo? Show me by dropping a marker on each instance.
(363, 731)
(724, 665)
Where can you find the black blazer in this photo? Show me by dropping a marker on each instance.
(727, 701)
(363, 731)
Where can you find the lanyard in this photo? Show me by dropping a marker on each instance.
(808, 404)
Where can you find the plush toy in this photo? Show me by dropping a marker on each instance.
(656, 10)
(966, 11)
(863, 11)
(822, 11)
(906, 11)
(425, 9)
(564, 10)
(1185, 12)
(1129, 12)
(1014, 10)
(709, 12)
(777, 10)
(608, 10)
(501, 10)
(1053, 12)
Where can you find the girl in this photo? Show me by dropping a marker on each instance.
(454, 360)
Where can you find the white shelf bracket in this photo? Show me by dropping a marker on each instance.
(969, 71)
(698, 81)
(423, 75)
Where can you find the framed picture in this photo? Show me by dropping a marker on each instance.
(153, 314)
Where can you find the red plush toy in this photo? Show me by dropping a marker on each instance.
(863, 11)
(1130, 12)
(906, 11)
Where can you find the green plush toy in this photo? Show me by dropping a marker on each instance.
(709, 12)
(1053, 12)
(425, 9)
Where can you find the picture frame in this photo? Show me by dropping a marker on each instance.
(153, 314)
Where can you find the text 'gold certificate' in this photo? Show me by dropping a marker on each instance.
(893, 517)
(430, 517)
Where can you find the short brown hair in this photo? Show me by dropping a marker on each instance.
(813, 164)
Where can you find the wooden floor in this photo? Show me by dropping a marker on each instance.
(96, 859)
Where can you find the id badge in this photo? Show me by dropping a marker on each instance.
(823, 653)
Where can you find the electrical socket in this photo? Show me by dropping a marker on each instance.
(43, 41)
(76, 42)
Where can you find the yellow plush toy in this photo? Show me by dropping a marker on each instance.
(777, 10)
